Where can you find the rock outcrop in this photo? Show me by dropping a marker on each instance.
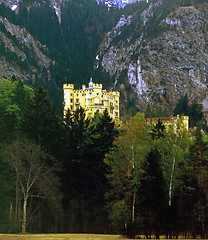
(160, 62)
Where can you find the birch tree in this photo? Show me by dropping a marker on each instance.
(33, 173)
(173, 147)
(125, 160)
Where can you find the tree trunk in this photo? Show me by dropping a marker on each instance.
(201, 169)
(134, 194)
(10, 217)
(171, 181)
(24, 213)
(17, 209)
(133, 206)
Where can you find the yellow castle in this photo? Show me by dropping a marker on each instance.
(92, 99)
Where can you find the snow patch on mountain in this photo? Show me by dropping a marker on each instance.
(123, 21)
(135, 78)
(57, 7)
(149, 12)
(14, 7)
(119, 3)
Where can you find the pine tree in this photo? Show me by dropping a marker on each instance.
(158, 130)
(102, 134)
(152, 196)
(44, 124)
(199, 162)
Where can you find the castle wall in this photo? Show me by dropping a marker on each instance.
(167, 121)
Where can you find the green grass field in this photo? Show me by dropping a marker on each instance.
(59, 237)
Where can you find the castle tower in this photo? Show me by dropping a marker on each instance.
(68, 97)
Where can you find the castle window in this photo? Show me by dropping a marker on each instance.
(116, 114)
(96, 101)
(77, 95)
(71, 100)
(111, 107)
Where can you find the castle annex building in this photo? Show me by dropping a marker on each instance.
(92, 99)
(167, 121)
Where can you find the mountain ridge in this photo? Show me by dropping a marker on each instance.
(150, 52)
(141, 60)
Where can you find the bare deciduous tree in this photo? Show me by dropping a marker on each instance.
(33, 170)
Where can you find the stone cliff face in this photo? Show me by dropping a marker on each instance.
(24, 56)
(14, 5)
(163, 66)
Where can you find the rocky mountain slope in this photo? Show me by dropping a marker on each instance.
(19, 46)
(160, 57)
(151, 51)
(14, 5)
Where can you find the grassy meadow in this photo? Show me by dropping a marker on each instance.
(64, 237)
(59, 237)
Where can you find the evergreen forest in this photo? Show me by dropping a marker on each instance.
(74, 174)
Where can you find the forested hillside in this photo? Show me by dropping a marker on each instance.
(75, 174)
(38, 47)
(151, 51)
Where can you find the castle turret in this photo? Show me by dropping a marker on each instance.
(68, 96)
(91, 84)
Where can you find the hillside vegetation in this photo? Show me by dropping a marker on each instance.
(38, 47)
(150, 52)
